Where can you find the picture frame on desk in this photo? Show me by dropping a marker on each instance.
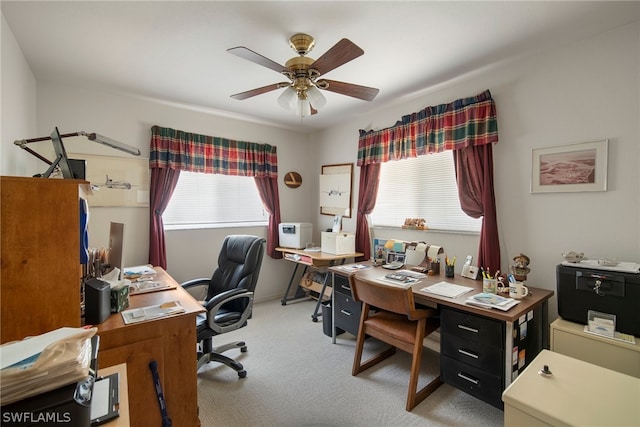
(570, 168)
(379, 250)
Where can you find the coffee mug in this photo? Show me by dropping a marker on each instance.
(518, 290)
(491, 286)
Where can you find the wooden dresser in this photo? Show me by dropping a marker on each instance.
(40, 271)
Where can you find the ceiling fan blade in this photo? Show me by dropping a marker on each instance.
(259, 91)
(252, 56)
(341, 53)
(361, 92)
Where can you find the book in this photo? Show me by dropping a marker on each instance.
(142, 314)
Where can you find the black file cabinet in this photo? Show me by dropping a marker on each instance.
(473, 355)
(346, 309)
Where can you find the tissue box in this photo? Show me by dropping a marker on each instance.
(120, 297)
(338, 243)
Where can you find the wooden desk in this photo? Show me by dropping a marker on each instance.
(171, 342)
(123, 406)
(317, 260)
(482, 350)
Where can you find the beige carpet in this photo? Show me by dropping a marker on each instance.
(297, 377)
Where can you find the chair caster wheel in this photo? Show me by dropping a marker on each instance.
(242, 374)
(314, 319)
(243, 350)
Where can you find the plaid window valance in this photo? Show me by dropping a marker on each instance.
(176, 149)
(458, 124)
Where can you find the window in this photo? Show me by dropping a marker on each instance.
(210, 200)
(421, 187)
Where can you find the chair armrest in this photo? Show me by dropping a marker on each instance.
(223, 298)
(214, 304)
(198, 288)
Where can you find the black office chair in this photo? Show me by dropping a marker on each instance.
(227, 297)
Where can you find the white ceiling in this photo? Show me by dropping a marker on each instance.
(176, 51)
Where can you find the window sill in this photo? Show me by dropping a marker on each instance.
(428, 230)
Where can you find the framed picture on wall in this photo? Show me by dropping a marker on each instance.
(117, 181)
(570, 168)
(336, 182)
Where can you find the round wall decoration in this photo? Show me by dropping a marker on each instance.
(292, 179)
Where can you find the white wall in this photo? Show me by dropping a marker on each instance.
(581, 92)
(18, 108)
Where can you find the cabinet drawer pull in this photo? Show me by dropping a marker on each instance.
(346, 288)
(471, 380)
(466, 328)
(467, 353)
(345, 312)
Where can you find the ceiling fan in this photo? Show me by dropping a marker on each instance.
(302, 94)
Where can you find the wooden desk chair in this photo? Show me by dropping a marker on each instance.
(397, 322)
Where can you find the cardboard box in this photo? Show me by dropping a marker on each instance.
(338, 243)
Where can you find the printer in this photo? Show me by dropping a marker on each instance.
(295, 235)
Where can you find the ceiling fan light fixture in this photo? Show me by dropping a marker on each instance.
(316, 98)
(303, 107)
(288, 99)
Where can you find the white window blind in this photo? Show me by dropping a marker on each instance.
(202, 199)
(421, 187)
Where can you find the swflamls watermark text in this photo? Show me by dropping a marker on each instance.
(37, 417)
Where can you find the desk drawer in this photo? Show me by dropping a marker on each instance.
(472, 328)
(341, 285)
(485, 357)
(347, 312)
(474, 381)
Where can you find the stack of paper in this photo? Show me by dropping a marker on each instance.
(152, 312)
(137, 271)
(45, 362)
(352, 268)
(148, 286)
(446, 289)
(487, 300)
(401, 281)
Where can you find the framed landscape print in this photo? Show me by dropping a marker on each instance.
(570, 168)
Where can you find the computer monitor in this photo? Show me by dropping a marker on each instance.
(116, 239)
(61, 161)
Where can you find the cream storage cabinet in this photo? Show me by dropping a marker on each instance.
(574, 393)
(569, 338)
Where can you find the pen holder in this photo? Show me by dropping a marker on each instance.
(448, 271)
(435, 268)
